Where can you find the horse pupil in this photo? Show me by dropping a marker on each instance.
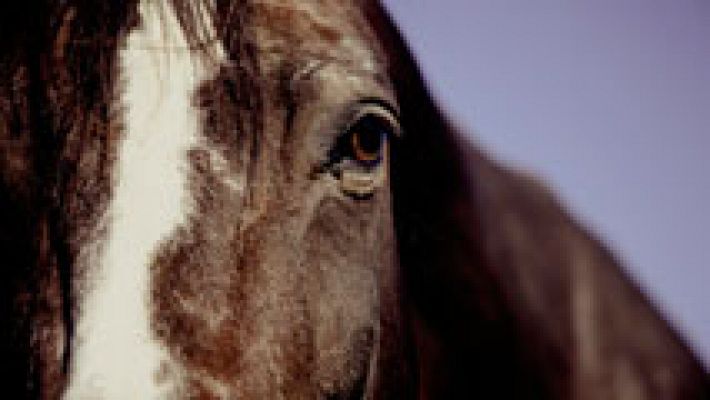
(369, 136)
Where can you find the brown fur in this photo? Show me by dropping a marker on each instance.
(458, 279)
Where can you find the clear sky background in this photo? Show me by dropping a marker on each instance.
(609, 100)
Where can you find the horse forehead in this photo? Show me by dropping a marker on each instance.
(159, 74)
(281, 32)
(330, 29)
(317, 18)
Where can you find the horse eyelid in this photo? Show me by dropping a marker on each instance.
(337, 153)
(366, 108)
(379, 108)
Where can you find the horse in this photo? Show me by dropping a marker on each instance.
(259, 199)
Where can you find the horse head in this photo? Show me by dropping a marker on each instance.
(259, 199)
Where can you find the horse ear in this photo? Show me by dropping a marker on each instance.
(505, 295)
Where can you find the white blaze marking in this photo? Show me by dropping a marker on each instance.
(115, 354)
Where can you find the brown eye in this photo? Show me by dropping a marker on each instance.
(367, 139)
(362, 146)
(359, 151)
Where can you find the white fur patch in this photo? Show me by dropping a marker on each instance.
(115, 353)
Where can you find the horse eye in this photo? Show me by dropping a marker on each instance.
(359, 151)
(368, 138)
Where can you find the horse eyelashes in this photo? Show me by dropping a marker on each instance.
(364, 143)
(358, 153)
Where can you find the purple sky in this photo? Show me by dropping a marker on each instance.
(609, 100)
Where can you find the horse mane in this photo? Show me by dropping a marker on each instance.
(504, 289)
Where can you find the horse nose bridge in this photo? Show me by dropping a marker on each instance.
(115, 352)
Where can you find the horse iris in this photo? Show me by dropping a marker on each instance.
(367, 139)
